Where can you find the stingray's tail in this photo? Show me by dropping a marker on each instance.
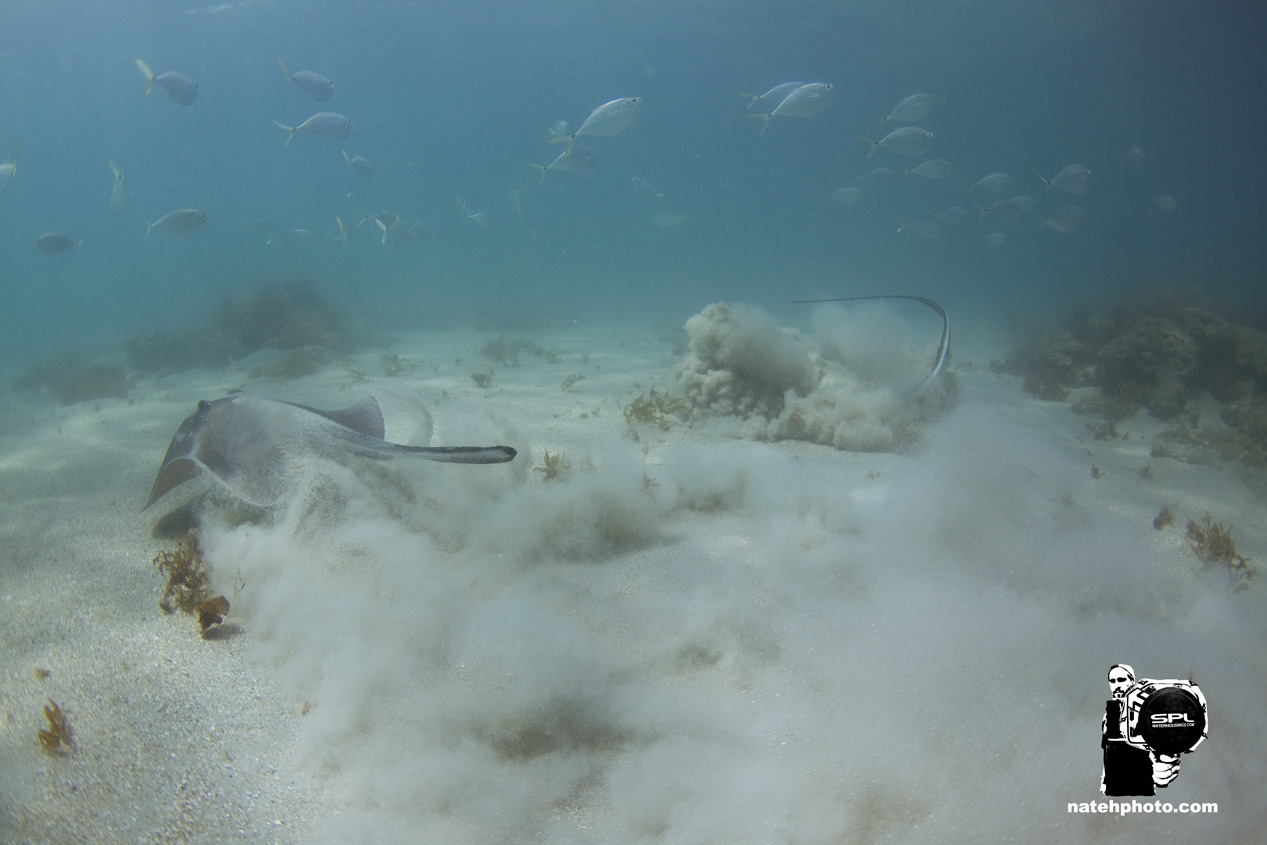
(465, 454)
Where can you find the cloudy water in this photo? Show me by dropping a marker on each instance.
(790, 549)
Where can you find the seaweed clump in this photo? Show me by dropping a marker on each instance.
(656, 408)
(74, 378)
(553, 467)
(506, 351)
(291, 316)
(58, 738)
(189, 583)
(1213, 545)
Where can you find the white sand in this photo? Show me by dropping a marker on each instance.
(768, 643)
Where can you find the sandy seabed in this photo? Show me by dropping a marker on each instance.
(682, 638)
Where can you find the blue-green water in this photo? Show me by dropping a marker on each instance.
(455, 100)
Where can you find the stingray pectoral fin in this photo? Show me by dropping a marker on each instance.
(364, 417)
(462, 454)
(174, 472)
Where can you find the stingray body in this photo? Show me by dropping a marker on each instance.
(253, 446)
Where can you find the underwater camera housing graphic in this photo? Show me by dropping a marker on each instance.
(1166, 717)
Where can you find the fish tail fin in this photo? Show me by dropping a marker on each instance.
(1046, 184)
(114, 168)
(765, 121)
(289, 129)
(345, 157)
(382, 226)
(875, 145)
(751, 98)
(567, 139)
(981, 209)
(343, 231)
(147, 73)
(542, 168)
(17, 151)
(149, 228)
(285, 70)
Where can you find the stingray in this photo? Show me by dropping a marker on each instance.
(943, 348)
(254, 446)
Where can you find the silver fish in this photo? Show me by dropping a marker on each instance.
(1065, 219)
(326, 124)
(934, 168)
(1005, 211)
(359, 165)
(9, 169)
(1073, 178)
(907, 141)
(924, 228)
(575, 159)
(669, 219)
(559, 131)
(179, 223)
(847, 196)
(1165, 202)
(643, 188)
(179, 87)
(994, 240)
(773, 97)
(118, 189)
(911, 109)
(806, 101)
(611, 118)
(998, 183)
(55, 243)
(313, 84)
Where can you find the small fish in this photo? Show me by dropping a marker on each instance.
(773, 97)
(907, 141)
(994, 240)
(559, 131)
(1065, 219)
(1026, 202)
(55, 243)
(669, 219)
(398, 230)
(926, 229)
(880, 174)
(1135, 157)
(911, 109)
(806, 101)
(1072, 178)
(10, 168)
(118, 189)
(326, 124)
(643, 188)
(179, 223)
(846, 196)
(1165, 202)
(998, 183)
(574, 159)
(343, 231)
(516, 197)
(611, 118)
(359, 165)
(955, 215)
(313, 84)
(179, 87)
(1005, 210)
(934, 168)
